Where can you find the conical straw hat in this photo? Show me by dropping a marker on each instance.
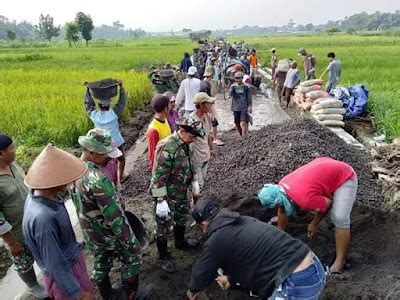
(54, 167)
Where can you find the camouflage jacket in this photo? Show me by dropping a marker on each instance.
(102, 219)
(172, 173)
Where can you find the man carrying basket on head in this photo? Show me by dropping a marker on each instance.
(107, 118)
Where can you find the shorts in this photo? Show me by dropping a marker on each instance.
(200, 173)
(240, 116)
(342, 203)
(214, 123)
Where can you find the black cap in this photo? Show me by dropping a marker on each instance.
(204, 209)
(5, 141)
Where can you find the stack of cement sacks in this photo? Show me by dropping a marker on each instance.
(307, 92)
(328, 112)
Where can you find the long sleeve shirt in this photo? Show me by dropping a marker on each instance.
(172, 173)
(49, 235)
(188, 89)
(101, 217)
(13, 193)
(107, 119)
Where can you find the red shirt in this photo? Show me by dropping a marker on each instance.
(308, 185)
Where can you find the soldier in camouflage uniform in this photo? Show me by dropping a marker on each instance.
(105, 228)
(171, 177)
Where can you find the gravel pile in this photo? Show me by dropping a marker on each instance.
(244, 165)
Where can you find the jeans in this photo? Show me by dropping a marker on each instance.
(306, 284)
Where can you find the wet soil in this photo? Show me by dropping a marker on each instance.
(242, 167)
(132, 128)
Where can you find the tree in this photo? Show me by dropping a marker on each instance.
(290, 25)
(310, 27)
(10, 35)
(85, 24)
(71, 32)
(46, 27)
(351, 31)
(117, 24)
(332, 31)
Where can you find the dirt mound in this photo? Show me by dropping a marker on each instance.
(138, 183)
(265, 156)
(243, 166)
(135, 124)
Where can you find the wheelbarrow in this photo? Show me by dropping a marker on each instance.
(140, 231)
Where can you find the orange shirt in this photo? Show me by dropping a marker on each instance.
(253, 60)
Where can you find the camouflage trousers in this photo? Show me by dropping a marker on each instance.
(103, 261)
(24, 262)
(178, 217)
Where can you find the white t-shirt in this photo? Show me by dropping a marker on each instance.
(188, 89)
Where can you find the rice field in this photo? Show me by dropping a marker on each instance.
(371, 60)
(41, 85)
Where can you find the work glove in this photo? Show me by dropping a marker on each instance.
(162, 209)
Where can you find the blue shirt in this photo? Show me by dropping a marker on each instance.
(107, 119)
(292, 76)
(48, 234)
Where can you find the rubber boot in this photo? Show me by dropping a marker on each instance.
(33, 287)
(180, 242)
(165, 257)
(107, 292)
(133, 292)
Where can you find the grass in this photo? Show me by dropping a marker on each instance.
(371, 60)
(41, 84)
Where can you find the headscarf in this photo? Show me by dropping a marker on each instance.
(272, 195)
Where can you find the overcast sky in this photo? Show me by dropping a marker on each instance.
(166, 15)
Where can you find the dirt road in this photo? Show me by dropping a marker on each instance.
(244, 165)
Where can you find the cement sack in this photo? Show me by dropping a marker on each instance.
(317, 94)
(340, 111)
(332, 123)
(306, 89)
(283, 65)
(312, 82)
(306, 106)
(319, 100)
(300, 95)
(330, 103)
(296, 99)
(323, 117)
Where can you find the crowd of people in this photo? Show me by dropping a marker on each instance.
(35, 226)
(286, 76)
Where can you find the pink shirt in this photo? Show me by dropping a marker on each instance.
(308, 185)
(110, 169)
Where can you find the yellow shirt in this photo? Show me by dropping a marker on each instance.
(163, 128)
(157, 131)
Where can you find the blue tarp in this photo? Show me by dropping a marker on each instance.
(354, 98)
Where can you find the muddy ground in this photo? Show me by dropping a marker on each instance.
(242, 167)
(131, 129)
